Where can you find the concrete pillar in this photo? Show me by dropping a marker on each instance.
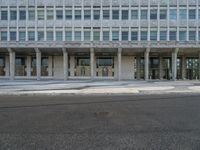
(174, 63)
(12, 64)
(161, 68)
(7, 66)
(50, 66)
(65, 63)
(72, 61)
(38, 63)
(119, 63)
(92, 62)
(28, 69)
(183, 67)
(138, 60)
(146, 61)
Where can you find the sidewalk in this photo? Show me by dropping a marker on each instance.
(52, 87)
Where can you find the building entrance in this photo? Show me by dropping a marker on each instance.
(154, 68)
(82, 66)
(2, 66)
(20, 66)
(167, 73)
(192, 68)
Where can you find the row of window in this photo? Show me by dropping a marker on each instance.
(106, 14)
(115, 36)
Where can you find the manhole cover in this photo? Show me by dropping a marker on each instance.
(103, 114)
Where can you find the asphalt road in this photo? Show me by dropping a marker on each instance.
(156, 122)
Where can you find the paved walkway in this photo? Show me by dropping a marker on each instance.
(52, 87)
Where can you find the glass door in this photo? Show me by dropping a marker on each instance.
(2, 66)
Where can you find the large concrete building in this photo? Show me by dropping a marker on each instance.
(100, 39)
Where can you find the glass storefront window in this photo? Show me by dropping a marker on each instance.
(82, 66)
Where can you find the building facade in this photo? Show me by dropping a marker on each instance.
(100, 39)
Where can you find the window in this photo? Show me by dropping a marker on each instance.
(40, 36)
(182, 35)
(124, 35)
(4, 36)
(13, 36)
(59, 35)
(50, 15)
(77, 36)
(4, 15)
(192, 35)
(96, 35)
(124, 14)
(115, 35)
(106, 14)
(173, 14)
(163, 35)
(134, 36)
(143, 35)
(96, 14)
(13, 15)
(153, 14)
(163, 14)
(22, 36)
(40, 14)
(183, 14)
(68, 14)
(22, 15)
(87, 14)
(192, 14)
(68, 35)
(59, 14)
(31, 36)
(134, 14)
(49, 35)
(144, 14)
(77, 14)
(199, 13)
(87, 36)
(153, 35)
(106, 36)
(172, 35)
(31, 15)
(115, 14)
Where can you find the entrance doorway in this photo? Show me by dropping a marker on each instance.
(192, 71)
(167, 73)
(2, 66)
(82, 66)
(154, 68)
(20, 66)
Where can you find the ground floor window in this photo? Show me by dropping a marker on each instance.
(20, 66)
(192, 68)
(154, 68)
(105, 66)
(82, 66)
(167, 72)
(44, 66)
(2, 66)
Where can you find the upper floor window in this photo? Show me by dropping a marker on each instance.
(13, 15)
(77, 14)
(124, 35)
(182, 35)
(153, 14)
(183, 14)
(96, 14)
(153, 35)
(4, 15)
(68, 35)
(106, 35)
(163, 35)
(40, 36)
(115, 35)
(31, 36)
(134, 14)
(13, 36)
(87, 14)
(31, 15)
(87, 36)
(59, 14)
(50, 15)
(192, 35)
(115, 14)
(172, 35)
(49, 35)
(163, 14)
(68, 14)
(192, 14)
(144, 14)
(134, 36)
(40, 14)
(173, 14)
(22, 15)
(106, 14)
(77, 36)
(22, 35)
(96, 35)
(199, 14)
(124, 14)
(59, 35)
(143, 36)
(4, 36)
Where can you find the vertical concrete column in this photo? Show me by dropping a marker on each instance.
(161, 67)
(183, 69)
(28, 69)
(146, 66)
(65, 63)
(12, 64)
(174, 64)
(119, 56)
(92, 62)
(7, 66)
(138, 67)
(50, 66)
(72, 64)
(38, 63)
